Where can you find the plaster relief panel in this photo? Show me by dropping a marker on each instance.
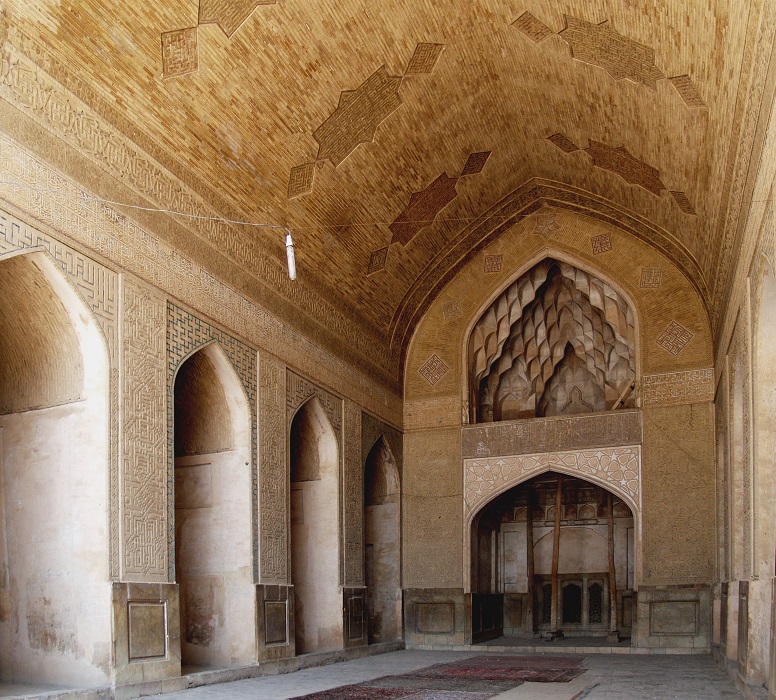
(145, 525)
(273, 486)
(616, 468)
(353, 497)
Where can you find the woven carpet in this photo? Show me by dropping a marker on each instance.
(477, 678)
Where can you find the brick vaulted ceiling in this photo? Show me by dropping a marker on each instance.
(395, 138)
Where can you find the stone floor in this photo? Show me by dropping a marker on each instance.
(609, 677)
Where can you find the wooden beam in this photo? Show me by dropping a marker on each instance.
(529, 551)
(612, 578)
(555, 555)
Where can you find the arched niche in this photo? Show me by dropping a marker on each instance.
(54, 450)
(382, 544)
(616, 469)
(512, 554)
(314, 470)
(213, 556)
(558, 339)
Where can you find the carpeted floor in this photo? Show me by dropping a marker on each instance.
(476, 678)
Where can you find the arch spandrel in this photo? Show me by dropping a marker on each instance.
(617, 469)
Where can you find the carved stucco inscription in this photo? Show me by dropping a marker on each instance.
(552, 435)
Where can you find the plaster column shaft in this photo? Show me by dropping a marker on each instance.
(555, 554)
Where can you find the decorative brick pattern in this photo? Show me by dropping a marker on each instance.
(357, 116)
(433, 369)
(603, 46)
(674, 338)
(452, 310)
(563, 142)
(100, 228)
(546, 225)
(424, 59)
(377, 260)
(620, 162)
(493, 263)
(533, 28)
(423, 208)
(684, 204)
(83, 129)
(687, 91)
(179, 52)
(651, 277)
(186, 333)
(601, 244)
(228, 14)
(301, 179)
(475, 163)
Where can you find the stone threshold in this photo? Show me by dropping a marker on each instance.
(212, 676)
(549, 648)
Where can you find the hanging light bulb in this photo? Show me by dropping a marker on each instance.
(290, 255)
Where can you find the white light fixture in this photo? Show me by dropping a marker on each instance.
(290, 255)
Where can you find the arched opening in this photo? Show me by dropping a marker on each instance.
(55, 601)
(382, 560)
(315, 531)
(557, 341)
(554, 554)
(213, 561)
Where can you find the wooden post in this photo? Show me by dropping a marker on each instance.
(613, 633)
(529, 552)
(555, 556)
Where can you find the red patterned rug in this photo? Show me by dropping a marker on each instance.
(535, 669)
(476, 678)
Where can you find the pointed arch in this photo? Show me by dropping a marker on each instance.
(487, 479)
(54, 459)
(315, 538)
(212, 494)
(382, 543)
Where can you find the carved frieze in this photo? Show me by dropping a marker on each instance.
(552, 434)
(676, 388)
